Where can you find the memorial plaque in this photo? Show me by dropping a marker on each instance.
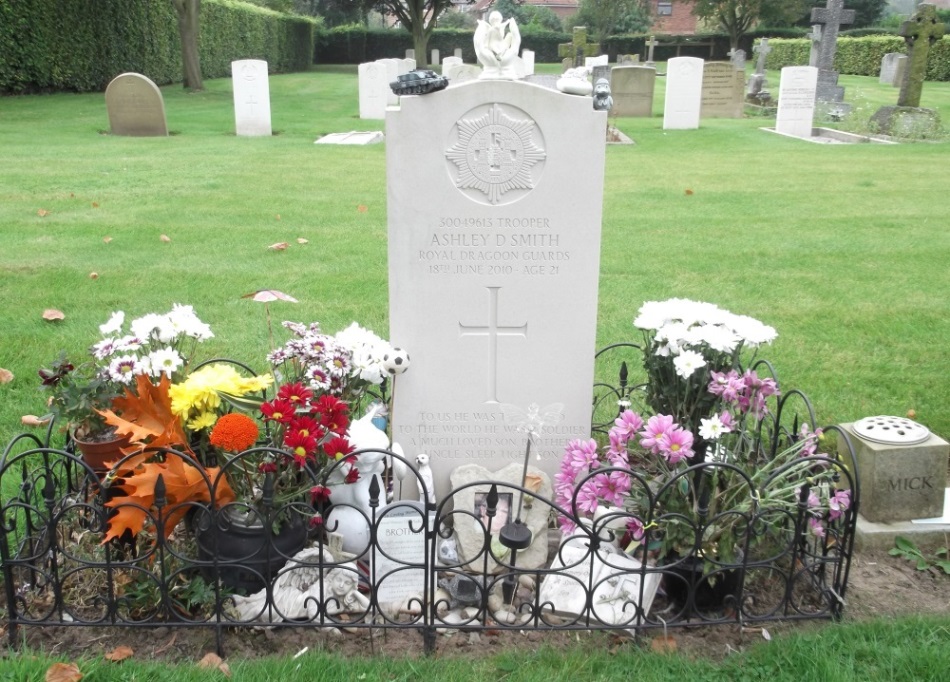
(796, 101)
(135, 107)
(401, 561)
(722, 94)
(494, 200)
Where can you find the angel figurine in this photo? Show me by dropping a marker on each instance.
(497, 44)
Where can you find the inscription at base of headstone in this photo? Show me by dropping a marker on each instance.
(251, 98)
(494, 208)
(684, 92)
(135, 107)
(901, 482)
(796, 101)
(632, 88)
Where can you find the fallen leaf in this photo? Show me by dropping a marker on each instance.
(301, 240)
(664, 644)
(213, 661)
(95, 204)
(689, 192)
(278, 216)
(120, 653)
(268, 295)
(107, 239)
(51, 314)
(361, 208)
(6, 376)
(165, 238)
(63, 672)
(72, 195)
(912, 414)
(32, 420)
(766, 635)
(279, 246)
(42, 213)
(93, 275)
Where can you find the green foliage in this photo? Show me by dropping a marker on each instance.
(605, 18)
(63, 45)
(529, 17)
(860, 56)
(906, 549)
(459, 20)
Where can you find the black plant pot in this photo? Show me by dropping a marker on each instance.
(247, 555)
(708, 592)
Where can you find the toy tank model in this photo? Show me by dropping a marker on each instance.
(419, 82)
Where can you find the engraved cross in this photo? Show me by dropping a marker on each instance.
(493, 330)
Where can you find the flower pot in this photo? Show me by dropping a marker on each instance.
(709, 592)
(249, 555)
(97, 452)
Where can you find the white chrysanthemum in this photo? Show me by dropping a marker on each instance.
(672, 332)
(164, 361)
(114, 325)
(687, 362)
(185, 322)
(129, 344)
(366, 365)
(152, 326)
(719, 338)
(104, 348)
(124, 369)
(712, 428)
(753, 331)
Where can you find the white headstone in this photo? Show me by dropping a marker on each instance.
(632, 89)
(528, 57)
(374, 90)
(406, 65)
(461, 73)
(494, 204)
(457, 52)
(354, 137)
(893, 66)
(684, 90)
(796, 101)
(411, 54)
(251, 98)
(394, 68)
(435, 58)
(450, 63)
(591, 62)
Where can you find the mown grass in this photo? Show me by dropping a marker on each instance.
(842, 248)
(909, 649)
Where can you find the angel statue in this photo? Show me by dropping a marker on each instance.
(497, 44)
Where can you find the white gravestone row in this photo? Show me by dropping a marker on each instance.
(493, 268)
(251, 98)
(374, 79)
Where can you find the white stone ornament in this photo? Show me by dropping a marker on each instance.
(396, 361)
(575, 82)
(497, 44)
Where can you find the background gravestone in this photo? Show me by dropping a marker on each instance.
(251, 98)
(830, 18)
(135, 107)
(722, 95)
(495, 193)
(796, 101)
(373, 90)
(632, 88)
(893, 67)
(527, 56)
(684, 91)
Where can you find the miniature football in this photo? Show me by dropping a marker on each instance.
(396, 361)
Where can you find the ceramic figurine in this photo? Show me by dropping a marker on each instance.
(602, 99)
(497, 44)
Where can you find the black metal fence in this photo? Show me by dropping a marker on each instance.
(468, 561)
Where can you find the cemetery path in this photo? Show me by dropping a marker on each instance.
(880, 586)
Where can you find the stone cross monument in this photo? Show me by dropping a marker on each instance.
(578, 48)
(921, 31)
(830, 18)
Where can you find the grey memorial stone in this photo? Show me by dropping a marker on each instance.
(628, 59)
(901, 482)
(814, 39)
(410, 54)
(470, 532)
(722, 93)
(650, 44)
(737, 59)
(830, 18)
(135, 107)
(494, 208)
(757, 87)
(632, 88)
(600, 71)
(457, 52)
(251, 98)
(893, 67)
(435, 58)
(796, 101)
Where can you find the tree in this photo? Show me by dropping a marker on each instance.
(188, 14)
(419, 17)
(528, 15)
(610, 17)
(738, 17)
(340, 12)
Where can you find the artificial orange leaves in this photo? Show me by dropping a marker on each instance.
(148, 422)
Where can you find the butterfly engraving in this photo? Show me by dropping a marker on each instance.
(532, 420)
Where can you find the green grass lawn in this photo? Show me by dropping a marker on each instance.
(843, 249)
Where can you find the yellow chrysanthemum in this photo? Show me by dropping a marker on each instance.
(200, 392)
(204, 420)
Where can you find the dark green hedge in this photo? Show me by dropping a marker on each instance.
(48, 45)
(861, 56)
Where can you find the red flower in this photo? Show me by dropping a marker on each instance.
(267, 467)
(307, 426)
(316, 521)
(320, 495)
(297, 393)
(337, 447)
(332, 413)
(352, 476)
(300, 446)
(281, 411)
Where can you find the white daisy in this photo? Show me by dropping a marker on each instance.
(164, 361)
(114, 325)
(688, 362)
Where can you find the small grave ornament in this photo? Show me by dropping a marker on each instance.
(891, 430)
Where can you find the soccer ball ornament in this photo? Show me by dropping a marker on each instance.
(396, 361)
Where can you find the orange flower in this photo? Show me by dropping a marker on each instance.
(234, 432)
